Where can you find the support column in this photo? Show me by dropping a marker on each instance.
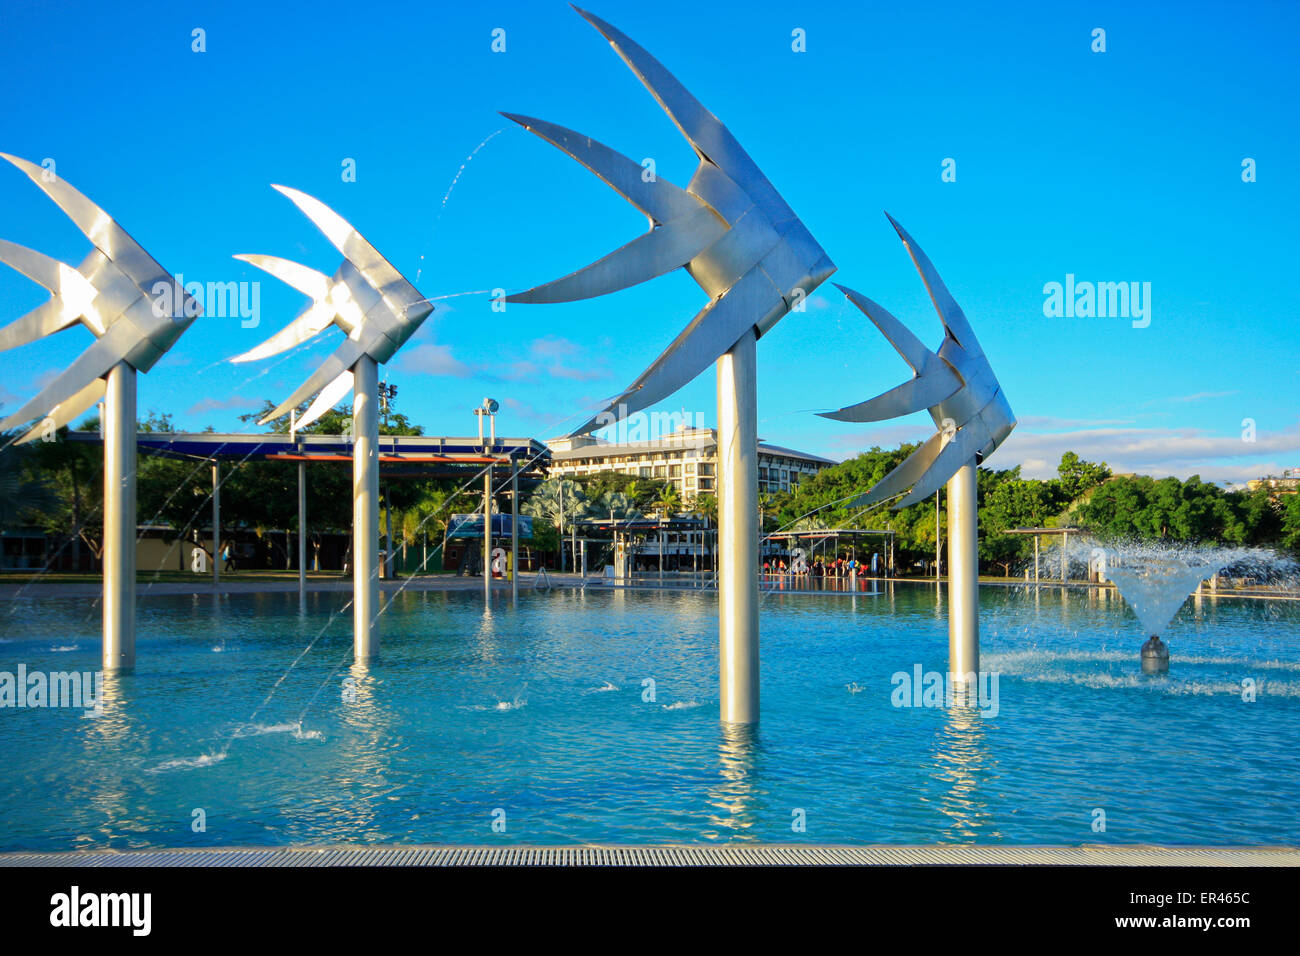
(302, 529)
(388, 536)
(365, 506)
(216, 524)
(662, 546)
(514, 531)
(738, 531)
(487, 533)
(938, 541)
(963, 572)
(119, 519)
(575, 557)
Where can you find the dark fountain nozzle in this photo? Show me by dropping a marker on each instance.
(1155, 656)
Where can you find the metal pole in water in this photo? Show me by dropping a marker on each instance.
(216, 523)
(365, 505)
(963, 572)
(738, 531)
(302, 529)
(119, 519)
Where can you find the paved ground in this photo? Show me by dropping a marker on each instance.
(746, 855)
(442, 582)
(49, 586)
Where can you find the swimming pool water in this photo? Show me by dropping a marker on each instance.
(537, 724)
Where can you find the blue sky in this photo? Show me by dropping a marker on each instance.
(1117, 166)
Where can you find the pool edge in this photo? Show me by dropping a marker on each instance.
(666, 855)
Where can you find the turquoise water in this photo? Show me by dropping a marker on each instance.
(539, 714)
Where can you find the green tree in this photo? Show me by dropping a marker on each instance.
(1078, 476)
(26, 492)
(669, 501)
(1290, 522)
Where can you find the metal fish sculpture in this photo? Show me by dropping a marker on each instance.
(956, 384)
(730, 229)
(134, 308)
(373, 303)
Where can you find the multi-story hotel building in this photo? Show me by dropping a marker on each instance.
(687, 457)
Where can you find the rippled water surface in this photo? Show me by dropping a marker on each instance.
(537, 718)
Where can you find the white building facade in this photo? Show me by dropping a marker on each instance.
(687, 457)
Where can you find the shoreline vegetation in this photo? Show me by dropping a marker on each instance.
(55, 489)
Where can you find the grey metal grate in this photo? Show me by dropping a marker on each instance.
(724, 855)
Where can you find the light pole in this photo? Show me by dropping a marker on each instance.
(487, 408)
(387, 395)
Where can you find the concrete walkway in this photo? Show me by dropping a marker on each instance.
(51, 587)
(727, 855)
(441, 582)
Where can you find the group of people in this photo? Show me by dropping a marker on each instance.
(839, 568)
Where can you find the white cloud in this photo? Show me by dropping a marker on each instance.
(432, 359)
(553, 347)
(1153, 451)
(886, 436)
(1195, 397)
(217, 404)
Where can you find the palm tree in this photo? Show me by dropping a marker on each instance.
(669, 501)
(706, 505)
(557, 500)
(618, 506)
(22, 493)
(560, 503)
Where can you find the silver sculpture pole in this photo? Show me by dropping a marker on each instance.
(742, 243)
(963, 574)
(119, 519)
(378, 310)
(365, 506)
(958, 387)
(136, 311)
(738, 532)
